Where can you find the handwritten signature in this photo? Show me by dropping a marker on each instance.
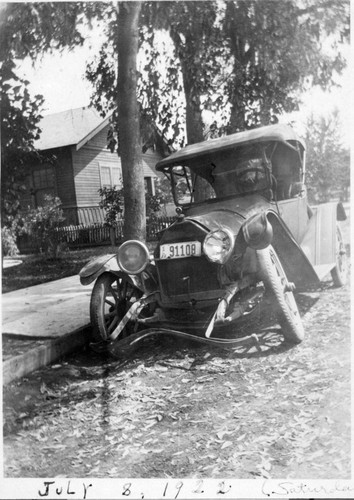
(270, 488)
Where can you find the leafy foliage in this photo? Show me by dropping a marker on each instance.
(328, 161)
(15, 226)
(8, 242)
(244, 62)
(19, 130)
(276, 51)
(153, 204)
(29, 29)
(112, 201)
(43, 222)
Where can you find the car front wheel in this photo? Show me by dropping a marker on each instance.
(110, 300)
(276, 282)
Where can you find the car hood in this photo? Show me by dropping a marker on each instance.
(230, 212)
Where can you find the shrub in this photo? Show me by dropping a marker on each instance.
(8, 242)
(153, 205)
(43, 222)
(112, 201)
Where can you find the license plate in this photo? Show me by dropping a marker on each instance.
(181, 250)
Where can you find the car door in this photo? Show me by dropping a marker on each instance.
(294, 212)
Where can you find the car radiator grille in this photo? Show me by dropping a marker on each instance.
(187, 276)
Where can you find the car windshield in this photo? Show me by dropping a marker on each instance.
(234, 173)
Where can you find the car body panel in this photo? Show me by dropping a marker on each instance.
(295, 261)
(106, 264)
(319, 241)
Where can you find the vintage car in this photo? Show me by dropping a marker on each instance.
(244, 229)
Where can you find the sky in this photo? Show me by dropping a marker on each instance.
(60, 79)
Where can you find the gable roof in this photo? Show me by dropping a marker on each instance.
(73, 127)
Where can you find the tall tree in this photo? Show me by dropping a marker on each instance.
(249, 60)
(128, 121)
(327, 159)
(276, 52)
(197, 41)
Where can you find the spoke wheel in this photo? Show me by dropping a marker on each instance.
(276, 282)
(110, 300)
(339, 272)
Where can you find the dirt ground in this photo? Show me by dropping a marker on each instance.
(185, 410)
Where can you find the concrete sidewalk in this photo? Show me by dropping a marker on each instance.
(51, 320)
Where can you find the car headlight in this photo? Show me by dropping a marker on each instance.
(133, 257)
(218, 245)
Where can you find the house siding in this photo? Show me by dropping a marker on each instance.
(87, 163)
(86, 168)
(151, 157)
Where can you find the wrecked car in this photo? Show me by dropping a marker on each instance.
(244, 229)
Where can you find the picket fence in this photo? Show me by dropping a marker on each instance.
(93, 234)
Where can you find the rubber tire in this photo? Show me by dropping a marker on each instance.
(339, 273)
(274, 278)
(98, 297)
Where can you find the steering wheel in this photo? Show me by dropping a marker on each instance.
(248, 182)
(251, 169)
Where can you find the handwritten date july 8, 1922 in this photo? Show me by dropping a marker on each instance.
(198, 488)
(169, 490)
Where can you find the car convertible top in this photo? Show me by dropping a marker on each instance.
(271, 133)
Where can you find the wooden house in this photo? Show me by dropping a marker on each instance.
(83, 164)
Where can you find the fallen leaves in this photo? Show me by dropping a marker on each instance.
(191, 412)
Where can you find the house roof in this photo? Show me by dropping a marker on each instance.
(74, 127)
(71, 127)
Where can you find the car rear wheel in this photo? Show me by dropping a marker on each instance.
(110, 300)
(276, 282)
(339, 273)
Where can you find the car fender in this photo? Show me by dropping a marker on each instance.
(295, 262)
(103, 264)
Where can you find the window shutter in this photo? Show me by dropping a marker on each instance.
(116, 176)
(106, 177)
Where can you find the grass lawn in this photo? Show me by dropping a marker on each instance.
(36, 269)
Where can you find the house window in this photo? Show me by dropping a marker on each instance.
(43, 184)
(43, 178)
(110, 176)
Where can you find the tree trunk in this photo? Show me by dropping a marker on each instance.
(128, 122)
(194, 120)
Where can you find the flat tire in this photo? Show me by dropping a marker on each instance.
(276, 283)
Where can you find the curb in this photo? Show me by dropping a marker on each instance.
(38, 357)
